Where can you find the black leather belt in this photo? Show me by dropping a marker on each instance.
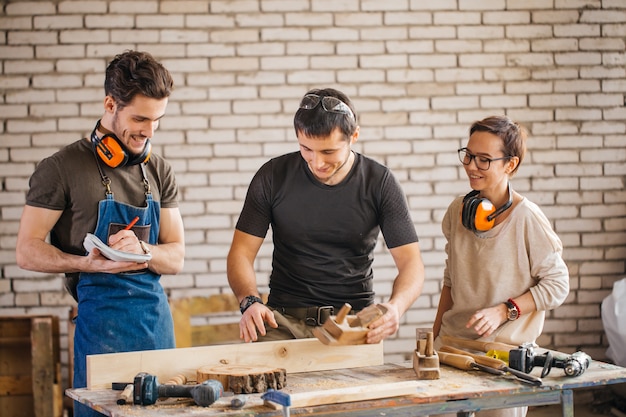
(312, 316)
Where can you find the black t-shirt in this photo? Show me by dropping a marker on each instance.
(324, 236)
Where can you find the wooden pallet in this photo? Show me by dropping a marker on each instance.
(30, 369)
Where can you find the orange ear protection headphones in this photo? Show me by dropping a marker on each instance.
(478, 214)
(113, 152)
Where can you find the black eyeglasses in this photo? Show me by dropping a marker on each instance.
(329, 104)
(483, 163)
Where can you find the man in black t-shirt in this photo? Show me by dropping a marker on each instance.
(326, 205)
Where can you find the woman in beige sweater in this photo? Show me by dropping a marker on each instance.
(504, 264)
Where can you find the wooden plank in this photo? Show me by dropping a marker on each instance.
(302, 355)
(46, 371)
(16, 385)
(350, 394)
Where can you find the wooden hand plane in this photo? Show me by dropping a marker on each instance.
(345, 329)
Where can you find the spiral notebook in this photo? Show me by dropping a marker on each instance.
(91, 241)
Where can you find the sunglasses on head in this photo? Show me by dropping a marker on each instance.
(329, 104)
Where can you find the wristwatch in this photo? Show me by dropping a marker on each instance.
(513, 312)
(248, 301)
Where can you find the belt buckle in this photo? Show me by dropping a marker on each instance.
(325, 311)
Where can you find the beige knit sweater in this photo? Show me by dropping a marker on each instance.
(486, 269)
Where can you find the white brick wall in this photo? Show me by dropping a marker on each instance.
(419, 73)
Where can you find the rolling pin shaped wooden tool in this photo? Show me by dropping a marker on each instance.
(466, 363)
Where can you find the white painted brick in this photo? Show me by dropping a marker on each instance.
(482, 60)
(617, 30)
(432, 32)
(133, 6)
(183, 36)
(284, 34)
(606, 183)
(493, 101)
(79, 65)
(600, 100)
(578, 114)
(399, 18)
(21, 23)
(457, 46)
(261, 19)
(211, 21)
(602, 127)
(226, 6)
(505, 17)
(374, 5)
(602, 44)
(183, 6)
(577, 86)
(284, 5)
(555, 73)
(53, 110)
(454, 102)
(80, 6)
(57, 22)
(552, 16)
(532, 60)
(120, 21)
(13, 111)
(578, 58)
(552, 100)
(16, 52)
(383, 61)
(319, 48)
(602, 16)
(614, 59)
(29, 8)
(564, 44)
(493, 74)
(480, 32)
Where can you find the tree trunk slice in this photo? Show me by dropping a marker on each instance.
(243, 379)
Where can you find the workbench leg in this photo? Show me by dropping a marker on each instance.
(567, 400)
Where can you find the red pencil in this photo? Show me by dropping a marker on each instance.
(132, 223)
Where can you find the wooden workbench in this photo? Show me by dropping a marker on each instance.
(455, 392)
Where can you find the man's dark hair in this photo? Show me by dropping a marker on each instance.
(317, 122)
(131, 73)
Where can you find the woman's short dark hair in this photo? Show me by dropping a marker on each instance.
(317, 122)
(131, 73)
(513, 135)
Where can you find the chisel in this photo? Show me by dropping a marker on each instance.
(465, 363)
(495, 363)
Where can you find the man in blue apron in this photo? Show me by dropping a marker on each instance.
(111, 185)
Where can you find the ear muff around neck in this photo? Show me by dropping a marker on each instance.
(479, 214)
(113, 152)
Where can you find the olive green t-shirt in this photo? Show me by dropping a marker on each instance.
(69, 181)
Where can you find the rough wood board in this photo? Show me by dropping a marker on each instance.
(350, 394)
(302, 355)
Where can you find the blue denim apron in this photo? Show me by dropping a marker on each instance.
(120, 312)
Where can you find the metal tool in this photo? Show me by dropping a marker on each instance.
(238, 401)
(497, 364)
(278, 397)
(146, 390)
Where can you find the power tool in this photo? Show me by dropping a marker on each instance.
(525, 359)
(147, 390)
